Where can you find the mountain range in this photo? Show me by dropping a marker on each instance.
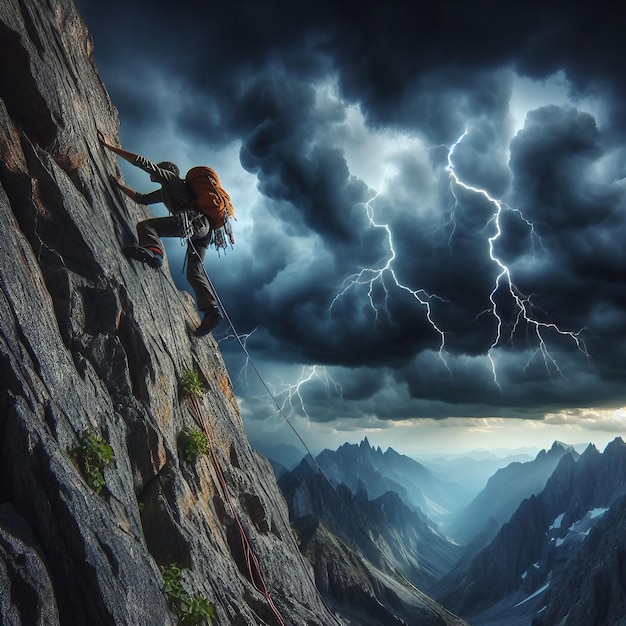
(561, 558)
(419, 488)
(371, 524)
(501, 496)
(546, 523)
(370, 556)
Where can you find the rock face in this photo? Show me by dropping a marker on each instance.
(93, 342)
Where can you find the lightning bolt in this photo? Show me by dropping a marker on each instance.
(294, 401)
(242, 338)
(292, 392)
(503, 280)
(503, 286)
(371, 276)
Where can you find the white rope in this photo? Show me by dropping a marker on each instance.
(282, 412)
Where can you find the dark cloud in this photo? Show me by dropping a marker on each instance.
(373, 281)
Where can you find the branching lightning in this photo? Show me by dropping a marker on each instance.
(384, 276)
(243, 338)
(370, 276)
(293, 400)
(522, 303)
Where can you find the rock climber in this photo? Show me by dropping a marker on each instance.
(176, 195)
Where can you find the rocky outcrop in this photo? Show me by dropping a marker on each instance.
(370, 556)
(92, 342)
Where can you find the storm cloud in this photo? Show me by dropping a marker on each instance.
(404, 244)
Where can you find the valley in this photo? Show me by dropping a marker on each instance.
(498, 541)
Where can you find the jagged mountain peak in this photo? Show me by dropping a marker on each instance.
(541, 558)
(617, 445)
(558, 448)
(559, 445)
(590, 452)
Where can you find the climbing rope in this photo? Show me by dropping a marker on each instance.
(185, 227)
(280, 409)
(254, 569)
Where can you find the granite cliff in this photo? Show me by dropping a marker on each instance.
(94, 343)
(93, 351)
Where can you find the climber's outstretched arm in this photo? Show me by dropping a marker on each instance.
(129, 191)
(131, 157)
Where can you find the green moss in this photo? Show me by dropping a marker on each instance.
(193, 444)
(191, 384)
(191, 610)
(92, 455)
(294, 532)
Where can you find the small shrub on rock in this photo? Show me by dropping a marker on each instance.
(193, 444)
(191, 384)
(91, 456)
(192, 610)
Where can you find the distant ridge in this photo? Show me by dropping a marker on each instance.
(560, 558)
(358, 465)
(504, 492)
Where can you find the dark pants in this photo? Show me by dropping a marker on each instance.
(150, 232)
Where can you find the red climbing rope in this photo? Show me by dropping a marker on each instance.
(252, 563)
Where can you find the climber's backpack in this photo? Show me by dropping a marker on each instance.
(213, 201)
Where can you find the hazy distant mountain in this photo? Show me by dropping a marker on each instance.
(561, 559)
(356, 465)
(503, 493)
(500, 453)
(472, 473)
(384, 523)
(283, 454)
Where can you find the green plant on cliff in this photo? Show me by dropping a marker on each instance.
(92, 455)
(193, 444)
(190, 609)
(191, 384)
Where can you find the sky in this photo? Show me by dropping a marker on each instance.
(431, 204)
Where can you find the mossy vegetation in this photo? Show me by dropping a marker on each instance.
(92, 455)
(191, 383)
(191, 609)
(193, 444)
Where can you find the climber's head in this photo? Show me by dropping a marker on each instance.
(169, 166)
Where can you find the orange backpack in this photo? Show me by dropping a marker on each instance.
(211, 199)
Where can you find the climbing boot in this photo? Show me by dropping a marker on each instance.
(150, 256)
(212, 318)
